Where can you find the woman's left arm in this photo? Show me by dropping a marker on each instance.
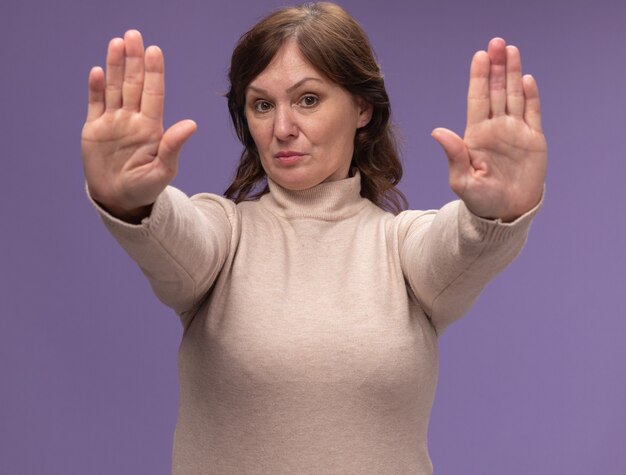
(498, 168)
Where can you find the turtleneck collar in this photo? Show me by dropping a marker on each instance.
(328, 201)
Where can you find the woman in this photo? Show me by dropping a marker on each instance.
(311, 314)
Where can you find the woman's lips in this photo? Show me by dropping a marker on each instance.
(288, 157)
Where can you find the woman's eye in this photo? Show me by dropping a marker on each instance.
(309, 101)
(262, 106)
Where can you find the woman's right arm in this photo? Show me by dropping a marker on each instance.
(182, 246)
(129, 160)
(127, 156)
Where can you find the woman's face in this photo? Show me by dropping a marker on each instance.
(302, 123)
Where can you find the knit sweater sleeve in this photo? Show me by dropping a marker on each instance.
(448, 256)
(181, 246)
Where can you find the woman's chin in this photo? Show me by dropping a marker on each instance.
(294, 178)
(301, 178)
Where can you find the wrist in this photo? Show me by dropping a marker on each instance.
(131, 216)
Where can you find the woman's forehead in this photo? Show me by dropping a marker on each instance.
(287, 70)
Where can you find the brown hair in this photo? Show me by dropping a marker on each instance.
(334, 43)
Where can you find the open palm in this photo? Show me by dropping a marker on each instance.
(127, 156)
(498, 168)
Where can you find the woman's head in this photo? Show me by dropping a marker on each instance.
(337, 47)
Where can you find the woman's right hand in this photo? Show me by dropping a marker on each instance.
(127, 157)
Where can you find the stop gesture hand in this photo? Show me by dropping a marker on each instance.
(127, 156)
(498, 168)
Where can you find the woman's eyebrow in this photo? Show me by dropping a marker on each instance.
(290, 89)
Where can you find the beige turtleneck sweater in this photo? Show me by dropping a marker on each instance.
(310, 323)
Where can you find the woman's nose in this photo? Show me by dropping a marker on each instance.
(285, 126)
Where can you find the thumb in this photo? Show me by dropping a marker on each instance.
(458, 157)
(173, 140)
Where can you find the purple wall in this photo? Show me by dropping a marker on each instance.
(532, 381)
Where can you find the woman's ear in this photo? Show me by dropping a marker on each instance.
(365, 112)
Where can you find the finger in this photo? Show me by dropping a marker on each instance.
(133, 70)
(478, 106)
(458, 158)
(497, 76)
(514, 89)
(532, 107)
(154, 84)
(172, 142)
(95, 98)
(114, 74)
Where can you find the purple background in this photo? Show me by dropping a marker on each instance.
(532, 381)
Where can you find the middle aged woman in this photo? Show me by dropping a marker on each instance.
(311, 314)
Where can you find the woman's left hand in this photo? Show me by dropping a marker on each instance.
(498, 169)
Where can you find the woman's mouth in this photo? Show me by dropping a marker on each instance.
(288, 156)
